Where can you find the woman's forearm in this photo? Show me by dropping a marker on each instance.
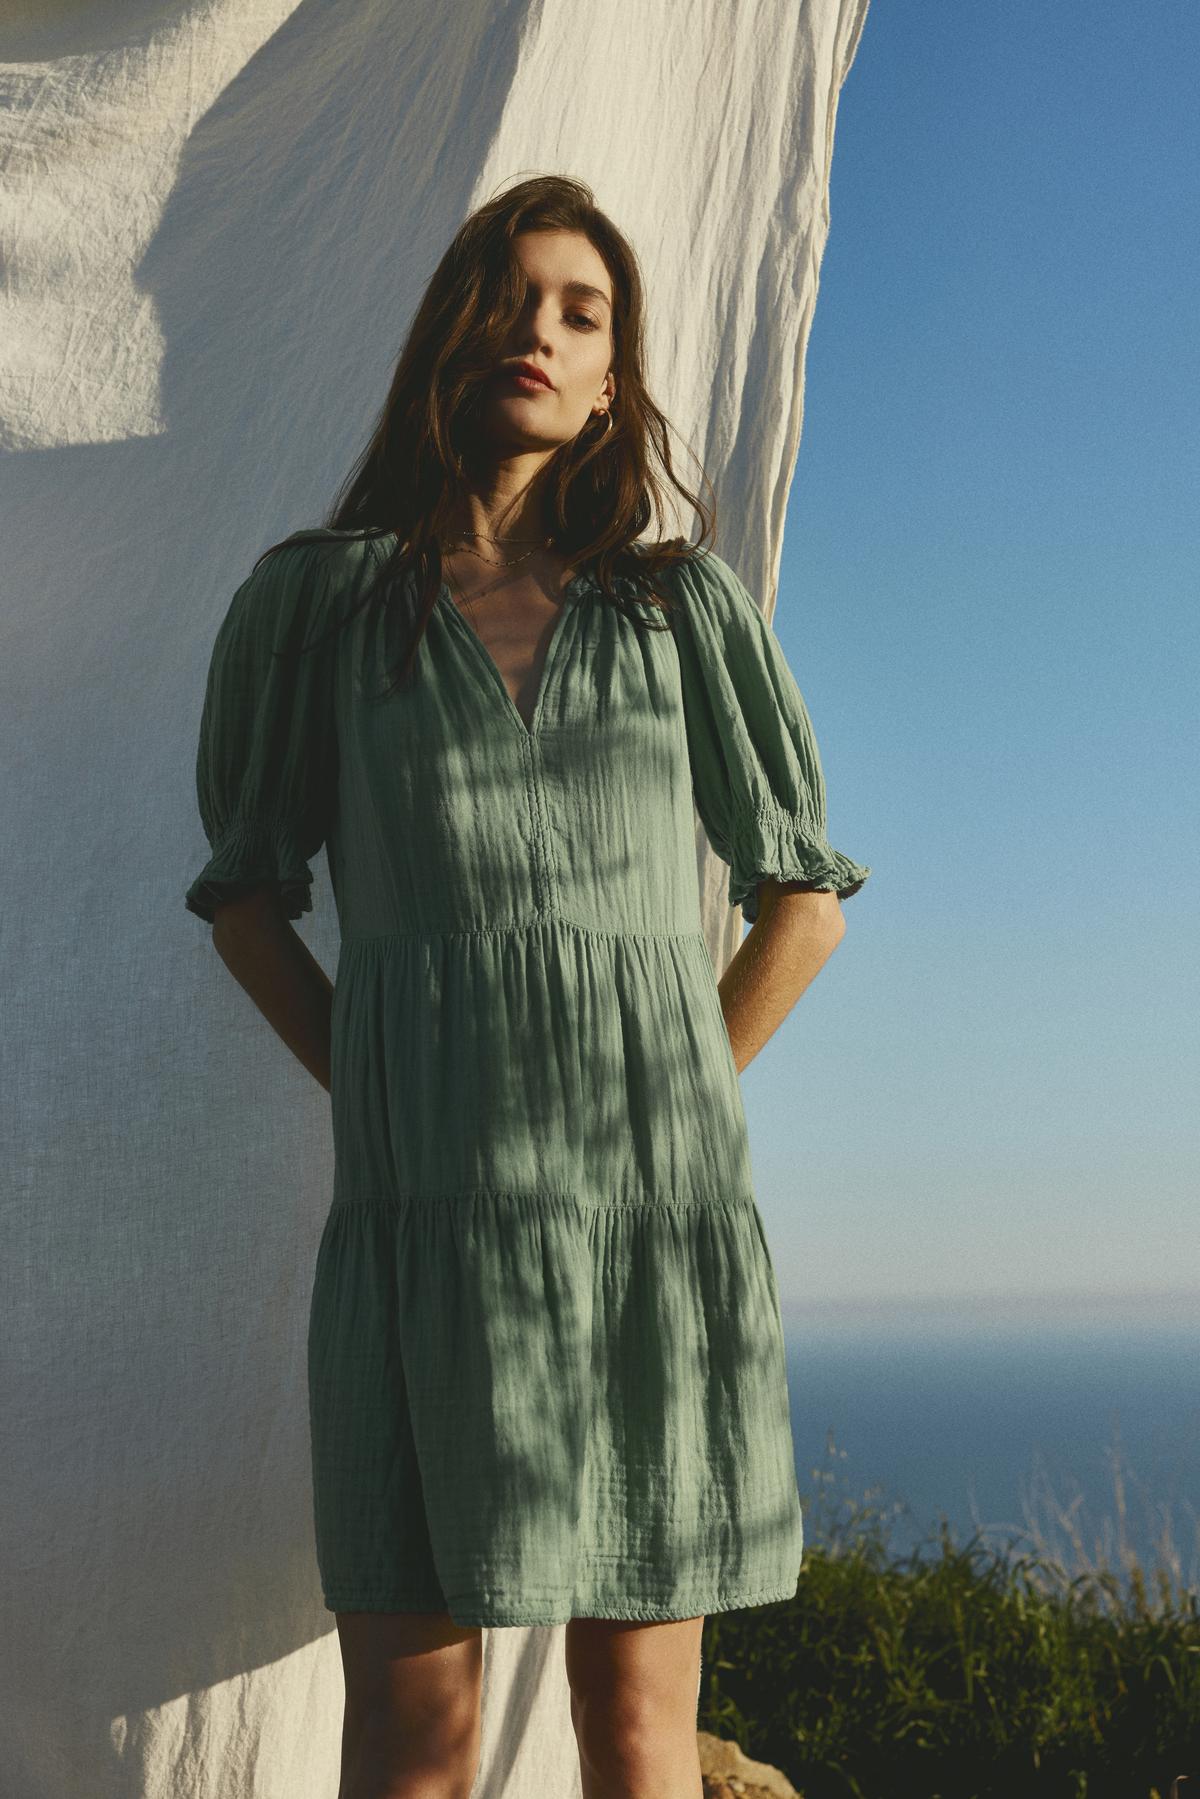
(277, 969)
(789, 943)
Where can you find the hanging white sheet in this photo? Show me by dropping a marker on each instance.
(216, 219)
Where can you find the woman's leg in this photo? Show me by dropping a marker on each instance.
(412, 1720)
(634, 1700)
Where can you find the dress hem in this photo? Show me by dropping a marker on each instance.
(492, 1615)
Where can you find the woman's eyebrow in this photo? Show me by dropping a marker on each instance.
(585, 287)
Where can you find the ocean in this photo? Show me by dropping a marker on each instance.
(988, 1412)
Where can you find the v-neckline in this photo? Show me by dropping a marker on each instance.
(566, 600)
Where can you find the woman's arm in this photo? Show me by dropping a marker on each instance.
(794, 935)
(274, 965)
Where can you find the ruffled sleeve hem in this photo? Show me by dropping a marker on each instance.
(776, 845)
(253, 853)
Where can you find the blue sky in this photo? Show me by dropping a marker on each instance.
(989, 597)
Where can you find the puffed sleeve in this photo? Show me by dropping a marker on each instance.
(266, 764)
(756, 770)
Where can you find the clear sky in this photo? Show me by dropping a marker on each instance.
(989, 597)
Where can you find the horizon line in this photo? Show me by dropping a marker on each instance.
(1011, 1299)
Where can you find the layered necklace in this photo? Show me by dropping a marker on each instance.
(511, 562)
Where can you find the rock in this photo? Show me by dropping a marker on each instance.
(728, 1774)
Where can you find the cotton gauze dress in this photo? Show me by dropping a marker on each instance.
(546, 1368)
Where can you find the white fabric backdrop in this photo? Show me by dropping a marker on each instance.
(216, 220)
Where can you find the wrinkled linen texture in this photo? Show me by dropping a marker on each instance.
(546, 1370)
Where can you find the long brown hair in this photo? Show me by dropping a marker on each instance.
(601, 489)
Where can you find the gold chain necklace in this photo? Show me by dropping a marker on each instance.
(485, 537)
(542, 543)
(500, 562)
(468, 605)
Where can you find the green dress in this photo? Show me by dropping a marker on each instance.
(546, 1371)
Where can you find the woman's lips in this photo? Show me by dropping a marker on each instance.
(529, 384)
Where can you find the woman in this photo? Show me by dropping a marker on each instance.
(546, 1369)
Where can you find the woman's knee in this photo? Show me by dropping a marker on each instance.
(412, 1719)
(390, 1755)
(633, 1690)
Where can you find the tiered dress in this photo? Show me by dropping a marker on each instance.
(546, 1368)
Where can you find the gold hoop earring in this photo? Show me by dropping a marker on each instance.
(608, 416)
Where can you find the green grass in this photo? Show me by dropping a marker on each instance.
(964, 1670)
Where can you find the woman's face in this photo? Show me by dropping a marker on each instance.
(565, 330)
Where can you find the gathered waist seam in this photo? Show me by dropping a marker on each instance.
(397, 1201)
(525, 928)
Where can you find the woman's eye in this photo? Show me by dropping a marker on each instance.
(589, 322)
